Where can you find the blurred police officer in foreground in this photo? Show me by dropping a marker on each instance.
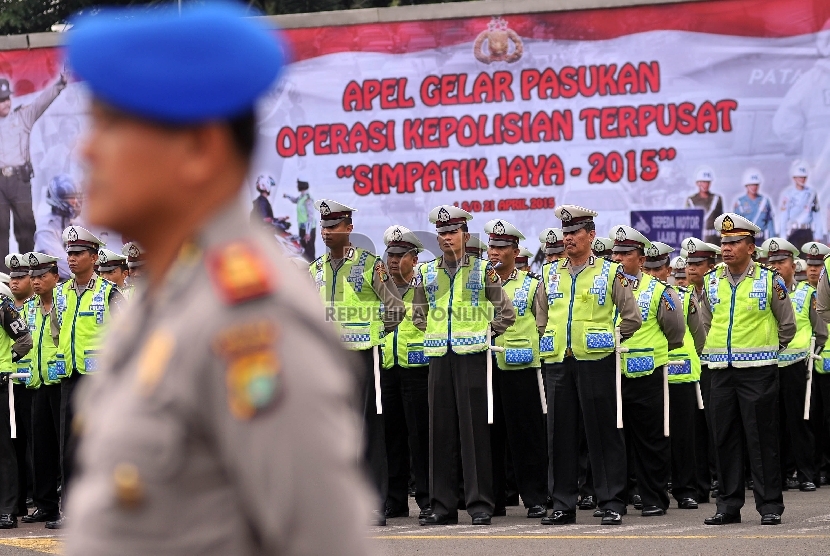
(220, 417)
(751, 319)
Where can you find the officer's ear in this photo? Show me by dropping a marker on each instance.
(349, 227)
(94, 256)
(465, 237)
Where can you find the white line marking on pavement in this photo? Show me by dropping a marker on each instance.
(547, 530)
(819, 518)
(441, 528)
(611, 530)
(498, 529)
(679, 530)
(810, 529)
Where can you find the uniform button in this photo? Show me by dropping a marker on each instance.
(128, 489)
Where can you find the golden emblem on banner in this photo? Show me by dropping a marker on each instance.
(498, 38)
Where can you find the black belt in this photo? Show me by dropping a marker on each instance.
(24, 171)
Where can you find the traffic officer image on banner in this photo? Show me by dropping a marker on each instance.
(800, 208)
(795, 365)
(404, 385)
(222, 397)
(700, 259)
(46, 387)
(755, 207)
(364, 305)
(710, 202)
(459, 303)
(744, 405)
(578, 349)
(518, 417)
(662, 330)
(84, 305)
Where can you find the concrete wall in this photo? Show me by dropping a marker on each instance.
(480, 8)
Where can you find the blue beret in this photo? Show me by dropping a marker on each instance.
(210, 63)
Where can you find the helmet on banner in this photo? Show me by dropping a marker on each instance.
(823, 39)
(265, 183)
(704, 173)
(61, 190)
(752, 176)
(799, 169)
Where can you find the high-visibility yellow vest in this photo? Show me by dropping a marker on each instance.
(405, 346)
(797, 349)
(648, 348)
(81, 320)
(521, 340)
(744, 332)
(349, 298)
(580, 311)
(689, 370)
(458, 310)
(43, 357)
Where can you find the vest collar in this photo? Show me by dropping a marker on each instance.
(590, 262)
(348, 254)
(464, 262)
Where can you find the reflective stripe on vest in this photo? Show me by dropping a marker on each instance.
(82, 320)
(44, 351)
(689, 371)
(521, 340)
(648, 348)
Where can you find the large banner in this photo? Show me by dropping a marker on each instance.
(663, 115)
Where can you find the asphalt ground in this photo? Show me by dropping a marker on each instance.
(805, 529)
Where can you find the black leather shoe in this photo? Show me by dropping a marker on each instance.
(426, 512)
(438, 519)
(378, 519)
(722, 519)
(39, 516)
(807, 487)
(653, 511)
(611, 518)
(599, 513)
(560, 517)
(637, 502)
(790, 482)
(499, 512)
(771, 519)
(687, 504)
(57, 524)
(587, 503)
(537, 512)
(390, 513)
(481, 518)
(8, 521)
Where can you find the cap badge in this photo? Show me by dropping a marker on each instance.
(133, 252)
(13, 262)
(397, 235)
(443, 215)
(814, 249)
(324, 209)
(690, 246)
(551, 237)
(727, 225)
(773, 245)
(653, 252)
(601, 245)
(72, 235)
(33, 260)
(620, 234)
(681, 263)
(498, 229)
(102, 257)
(566, 216)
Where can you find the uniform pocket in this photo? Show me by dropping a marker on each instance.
(415, 354)
(639, 360)
(547, 343)
(598, 339)
(518, 352)
(90, 360)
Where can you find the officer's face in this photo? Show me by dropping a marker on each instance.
(695, 271)
(336, 236)
(703, 186)
(452, 242)
(5, 107)
(578, 243)
(115, 276)
(44, 283)
(752, 189)
(550, 258)
(631, 261)
(81, 262)
(800, 181)
(661, 273)
(682, 282)
(737, 254)
(813, 274)
(785, 268)
(506, 256)
(21, 287)
(401, 265)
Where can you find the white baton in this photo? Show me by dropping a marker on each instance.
(12, 416)
(376, 369)
(492, 348)
(542, 391)
(811, 358)
(699, 395)
(619, 350)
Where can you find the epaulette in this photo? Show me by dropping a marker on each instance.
(232, 285)
(534, 275)
(416, 280)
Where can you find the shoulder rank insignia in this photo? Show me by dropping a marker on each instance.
(668, 301)
(622, 279)
(780, 288)
(252, 367)
(380, 270)
(239, 272)
(491, 273)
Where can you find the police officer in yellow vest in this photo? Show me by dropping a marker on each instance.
(678, 272)
(518, 416)
(583, 293)
(523, 258)
(684, 373)
(797, 441)
(404, 383)
(364, 305)
(45, 382)
(457, 297)
(750, 319)
(552, 244)
(83, 307)
(700, 259)
(603, 247)
(15, 344)
(135, 261)
(813, 254)
(114, 267)
(475, 247)
(663, 330)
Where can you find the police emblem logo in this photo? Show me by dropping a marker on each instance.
(727, 225)
(653, 252)
(681, 263)
(13, 262)
(706, 176)
(498, 228)
(443, 215)
(566, 216)
(133, 252)
(620, 235)
(397, 235)
(814, 249)
(690, 246)
(324, 209)
(773, 245)
(601, 245)
(72, 235)
(33, 259)
(102, 258)
(551, 237)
